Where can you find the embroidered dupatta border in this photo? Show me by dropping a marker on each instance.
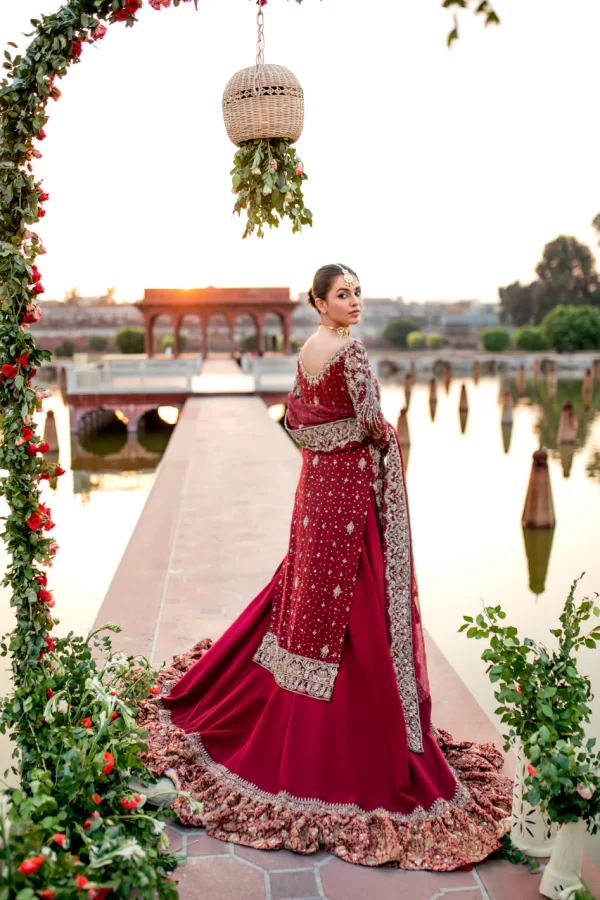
(331, 436)
(296, 673)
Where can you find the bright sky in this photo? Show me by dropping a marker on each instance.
(436, 174)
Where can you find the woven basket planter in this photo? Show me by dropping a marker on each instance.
(276, 110)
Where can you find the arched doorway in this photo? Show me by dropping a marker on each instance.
(218, 335)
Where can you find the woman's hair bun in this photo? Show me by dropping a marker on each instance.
(311, 297)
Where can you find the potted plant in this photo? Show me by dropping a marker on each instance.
(544, 700)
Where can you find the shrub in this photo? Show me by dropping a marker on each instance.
(168, 340)
(65, 348)
(530, 337)
(130, 340)
(97, 342)
(415, 340)
(397, 330)
(495, 339)
(248, 341)
(573, 328)
(433, 341)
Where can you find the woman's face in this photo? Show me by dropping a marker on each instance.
(343, 302)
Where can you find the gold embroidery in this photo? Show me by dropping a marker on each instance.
(337, 591)
(299, 674)
(324, 650)
(362, 463)
(364, 393)
(350, 527)
(315, 379)
(315, 460)
(305, 521)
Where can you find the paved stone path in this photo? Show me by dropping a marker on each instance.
(213, 530)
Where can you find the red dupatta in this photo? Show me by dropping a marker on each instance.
(343, 452)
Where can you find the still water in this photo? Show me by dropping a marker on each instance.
(466, 493)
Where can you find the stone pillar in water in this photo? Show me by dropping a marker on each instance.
(536, 370)
(50, 434)
(538, 511)
(407, 388)
(587, 389)
(463, 405)
(521, 380)
(402, 428)
(412, 371)
(476, 371)
(567, 428)
(507, 408)
(447, 376)
(551, 381)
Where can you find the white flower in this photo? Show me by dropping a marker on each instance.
(62, 707)
(158, 826)
(130, 850)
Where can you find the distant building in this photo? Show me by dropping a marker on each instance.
(463, 323)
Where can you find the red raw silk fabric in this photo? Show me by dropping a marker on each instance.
(327, 741)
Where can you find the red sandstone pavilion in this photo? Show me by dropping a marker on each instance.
(204, 303)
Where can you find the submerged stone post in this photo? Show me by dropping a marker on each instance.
(567, 427)
(538, 511)
(587, 389)
(536, 369)
(463, 405)
(476, 370)
(433, 391)
(407, 388)
(50, 433)
(551, 381)
(521, 380)
(402, 428)
(412, 371)
(447, 376)
(507, 408)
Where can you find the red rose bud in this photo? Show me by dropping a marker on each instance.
(30, 866)
(59, 838)
(44, 596)
(47, 894)
(99, 31)
(531, 770)
(32, 449)
(109, 763)
(114, 716)
(87, 722)
(41, 578)
(49, 693)
(96, 798)
(81, 881)
(42, 199)
(59, 470)
(76, 48)
(55, 93)
(41, 213)
(26, 432)
(34, 521)
(44, 476)
(87, 823)
(37, 288)
(155, 690)
(8, 370)
(48, 525)
(41, 134)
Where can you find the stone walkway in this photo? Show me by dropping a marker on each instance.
(213, 531)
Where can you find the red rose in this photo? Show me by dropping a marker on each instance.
(29, 866)
(59, 838)
(44, 595)
(48, 525)
(130, 804)
(109, 763)
(43, 448)
(99, 31)
(41, 134)
(87, 722)
(8, 370)
(42, 199)
(55, 93)
(96, 798)
(26, 432)
(87, 823)
(34, 521)
(37, 288)
(41, 578)
(531, 770)
(32, 449)
(59, 470)
(44, 476)
(114, 716)
(47, 894)
(81, 881)
(155, 690)
(76, 48)
(49, 693)
(22, 360)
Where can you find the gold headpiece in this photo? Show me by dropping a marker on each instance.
(347, 276)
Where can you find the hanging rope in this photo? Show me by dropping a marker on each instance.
(260, 48)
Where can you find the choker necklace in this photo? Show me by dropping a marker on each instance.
(343, 330)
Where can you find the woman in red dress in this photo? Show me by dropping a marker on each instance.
(307, 723)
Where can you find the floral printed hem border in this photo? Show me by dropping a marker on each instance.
(296, 673)
(451, 834)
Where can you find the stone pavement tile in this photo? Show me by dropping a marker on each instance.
(286, 885)
(200, 844)
(591, 876)
(220, 878)
(279, 859)
(505, 881)
(175, 840)
(345, 881)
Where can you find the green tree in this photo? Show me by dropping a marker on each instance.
(573, 328)
(97, 342)
(397, 330)
(130, 340)
(167, 340)
(530, 337)
(415, 340)
(65, 348)
(567, 274)
(433, 341)
(518, 302)
(495, 339)
(248, 342)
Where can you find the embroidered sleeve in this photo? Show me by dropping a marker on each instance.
(364, 393)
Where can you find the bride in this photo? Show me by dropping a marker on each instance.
(307, 724)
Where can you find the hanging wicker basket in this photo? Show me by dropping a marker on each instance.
(263, 103)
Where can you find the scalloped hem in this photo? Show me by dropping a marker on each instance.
(451, 834)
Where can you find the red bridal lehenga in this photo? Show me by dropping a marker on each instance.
(307, 723)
